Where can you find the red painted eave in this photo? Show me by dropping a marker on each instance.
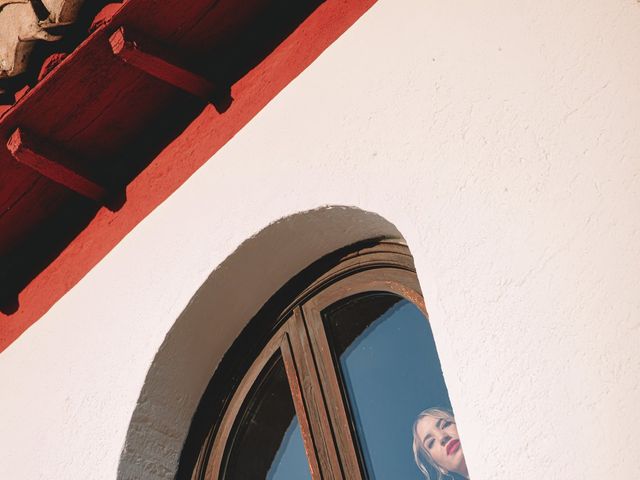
(116, 126)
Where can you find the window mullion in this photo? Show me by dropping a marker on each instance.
(331, 390)
(302, 412)
(311, 398)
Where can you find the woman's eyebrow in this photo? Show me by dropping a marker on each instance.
(439, 423)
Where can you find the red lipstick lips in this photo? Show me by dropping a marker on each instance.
(452, 446)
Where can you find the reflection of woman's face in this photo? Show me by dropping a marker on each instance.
(440, 438)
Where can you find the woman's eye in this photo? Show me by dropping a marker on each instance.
(430, 444)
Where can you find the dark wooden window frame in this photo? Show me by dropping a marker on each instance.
(297, 333)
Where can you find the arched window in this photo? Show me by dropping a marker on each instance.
(327, 381)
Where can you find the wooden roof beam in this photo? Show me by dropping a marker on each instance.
(158, 61)
(52, 162)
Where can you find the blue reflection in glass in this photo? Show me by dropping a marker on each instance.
(290, 462)
(391, 373)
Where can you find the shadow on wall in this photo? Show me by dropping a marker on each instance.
(240, 287)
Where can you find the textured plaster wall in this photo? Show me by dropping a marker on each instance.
(500, 139)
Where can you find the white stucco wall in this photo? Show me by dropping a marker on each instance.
(500, 138)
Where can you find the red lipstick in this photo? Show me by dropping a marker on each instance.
(452, 446)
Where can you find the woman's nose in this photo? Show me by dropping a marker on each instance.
(444, 440)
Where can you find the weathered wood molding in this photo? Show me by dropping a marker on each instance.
(158, 61)
(52, 162)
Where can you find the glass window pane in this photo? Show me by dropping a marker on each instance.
(390, 372)
(266, 442)
(290, 461)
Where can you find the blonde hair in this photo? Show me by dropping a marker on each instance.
(429, 468)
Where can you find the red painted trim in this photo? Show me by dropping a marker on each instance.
(49, 161)
(180, 159)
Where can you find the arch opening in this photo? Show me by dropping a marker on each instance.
(236, 290)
